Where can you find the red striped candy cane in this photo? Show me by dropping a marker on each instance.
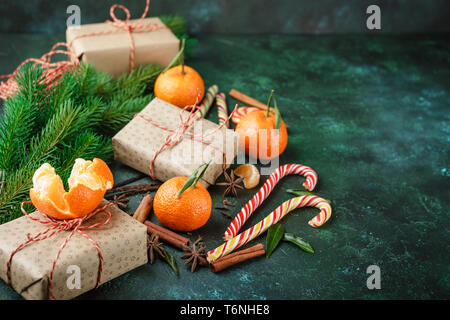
(242, 112)
(271, 219)
(266, 189)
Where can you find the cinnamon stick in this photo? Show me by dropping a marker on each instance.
(135, 186)
(168, 236)
(247, 100)
(236, 257)
(144, 208)
(130, 180)
(132, 190)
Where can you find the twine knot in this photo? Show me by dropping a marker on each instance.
(53, 71)
(66, 225)
(183, 130)
(131, 27)
(125, 24)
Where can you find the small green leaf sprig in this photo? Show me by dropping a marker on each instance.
(170, 259)
(276, 111)
(194, 177)
(299, 192)
(276, 233)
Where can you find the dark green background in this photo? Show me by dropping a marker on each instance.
(237, 16)
(370, 113)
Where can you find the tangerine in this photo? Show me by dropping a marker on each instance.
(88, 183)
(180, 85)
(190, 211)
(256, 135)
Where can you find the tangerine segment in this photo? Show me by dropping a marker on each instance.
(88, 183)
(179, 89)
(250, 174)
(188, 212)
(95, 174)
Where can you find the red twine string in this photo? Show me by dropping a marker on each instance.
(52, 71)
(55, 227)
(182, 130)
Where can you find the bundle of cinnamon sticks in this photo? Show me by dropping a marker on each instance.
(237, 257)
(168, 236)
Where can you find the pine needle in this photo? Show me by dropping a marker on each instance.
(74, 118)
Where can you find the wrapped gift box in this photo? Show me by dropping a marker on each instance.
(136, 144)
(111, 52)
(123, 244)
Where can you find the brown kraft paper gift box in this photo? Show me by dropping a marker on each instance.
(123, 244)
(136, 144)
(111, 52)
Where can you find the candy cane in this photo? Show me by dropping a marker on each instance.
(222, 111)
(207, 101)
(242, 112)
(266, 189)
(271, 219)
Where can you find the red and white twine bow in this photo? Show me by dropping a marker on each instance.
(182, 130)
(125, 25)
(52, 71)
(55, 227)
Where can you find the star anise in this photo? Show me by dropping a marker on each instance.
(154, 246)
(232, 183)
(195, 254)
(121, 201)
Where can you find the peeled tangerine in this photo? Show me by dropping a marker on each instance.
(88, 183)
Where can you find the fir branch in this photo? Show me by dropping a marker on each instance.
(65, 88)
(116, 117)
(13, 192)
(175, 22)
(86, 145)
(65, 122)
(142, 76)
(18, 121)
(178, 25)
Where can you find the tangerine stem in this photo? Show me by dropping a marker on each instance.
(183, 41)
(268, 102)
(179, 55)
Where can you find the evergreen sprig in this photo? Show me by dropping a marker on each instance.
(74, 118)
(18, 123)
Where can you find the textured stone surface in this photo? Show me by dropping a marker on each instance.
(237, 16)
(371, 116)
